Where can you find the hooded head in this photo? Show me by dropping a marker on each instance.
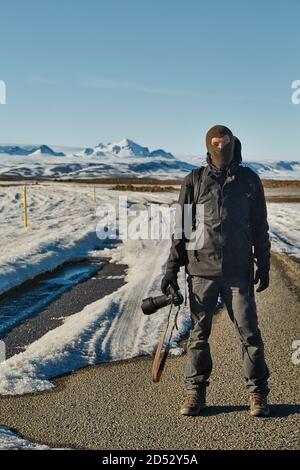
(220, 146)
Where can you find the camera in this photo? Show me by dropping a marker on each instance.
(153, 304)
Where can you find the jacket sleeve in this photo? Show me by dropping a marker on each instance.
(261, 238)
(178, 255)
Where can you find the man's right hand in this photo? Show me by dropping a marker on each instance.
(169, 279)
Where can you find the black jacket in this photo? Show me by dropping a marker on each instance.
(235, 228)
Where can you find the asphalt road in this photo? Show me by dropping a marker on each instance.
(104, 282)
(116, 406)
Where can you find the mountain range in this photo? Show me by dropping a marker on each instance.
(118, 159)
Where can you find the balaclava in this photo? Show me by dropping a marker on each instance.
(221, 158)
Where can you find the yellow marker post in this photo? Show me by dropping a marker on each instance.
(94, 194)
(25, 207)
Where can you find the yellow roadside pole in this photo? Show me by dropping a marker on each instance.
(25, 207)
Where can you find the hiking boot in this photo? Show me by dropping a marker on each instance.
(194, 403)
(259, 405)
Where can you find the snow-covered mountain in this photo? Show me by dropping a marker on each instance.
(45, 150)
(276, 169)
(17, 149)
(125, 148)
(29, 150)
(268, 169)
(119, 159)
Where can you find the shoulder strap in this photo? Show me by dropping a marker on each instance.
(196, 184)
(197, 181)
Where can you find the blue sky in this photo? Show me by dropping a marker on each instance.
(160, 72)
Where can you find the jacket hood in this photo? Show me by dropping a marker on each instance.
(237, 151)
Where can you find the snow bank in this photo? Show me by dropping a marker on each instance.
(284, 221)
(11, 441)
(61, 227)
(112, 328)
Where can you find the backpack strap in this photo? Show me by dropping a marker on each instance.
(197, 181)
(197, 178)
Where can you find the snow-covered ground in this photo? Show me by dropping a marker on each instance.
(284, 221)
(62, 224)
(11, 441)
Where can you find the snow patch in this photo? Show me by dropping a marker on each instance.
(11, 441)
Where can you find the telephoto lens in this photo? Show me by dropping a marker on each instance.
(153, 304)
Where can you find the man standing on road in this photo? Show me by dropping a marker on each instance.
(234, 236)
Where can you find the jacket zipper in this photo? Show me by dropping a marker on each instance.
(221, 217)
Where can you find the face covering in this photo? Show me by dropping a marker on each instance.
(221, 158)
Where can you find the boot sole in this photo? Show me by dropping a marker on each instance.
(260, 413)
(186, 412)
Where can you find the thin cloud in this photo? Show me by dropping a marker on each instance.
(124, 85)
(39, 80)
(113, 84)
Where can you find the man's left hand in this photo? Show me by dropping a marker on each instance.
(262, 275)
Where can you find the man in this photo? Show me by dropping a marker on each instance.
(234, 236)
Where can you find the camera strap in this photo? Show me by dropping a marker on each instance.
(163, 347)
(185, 287)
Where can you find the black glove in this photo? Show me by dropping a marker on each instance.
(169, 279)
(262, 275)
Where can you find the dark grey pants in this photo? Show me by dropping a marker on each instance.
(241, 307)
